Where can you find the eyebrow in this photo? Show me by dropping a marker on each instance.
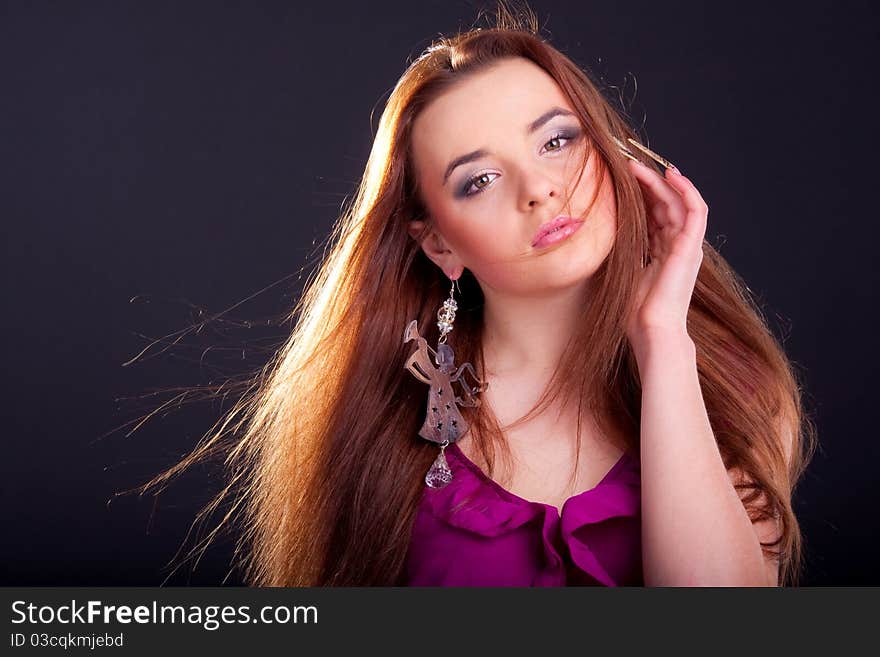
(553, 112)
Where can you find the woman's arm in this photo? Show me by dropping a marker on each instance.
(695, 529)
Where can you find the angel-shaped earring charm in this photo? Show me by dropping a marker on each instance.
(443, 423)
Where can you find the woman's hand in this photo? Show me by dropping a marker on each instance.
(677, 217)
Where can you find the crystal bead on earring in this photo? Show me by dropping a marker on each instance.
(440, 473)
(446, 315)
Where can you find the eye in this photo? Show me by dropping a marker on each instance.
(564, 135)
(475, 182)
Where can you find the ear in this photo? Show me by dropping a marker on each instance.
(436, 249)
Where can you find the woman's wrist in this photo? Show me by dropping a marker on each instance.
(662, 343)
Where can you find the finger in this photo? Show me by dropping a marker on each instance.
(659, 193)
(696, 208)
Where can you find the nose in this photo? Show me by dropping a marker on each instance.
(537, 189)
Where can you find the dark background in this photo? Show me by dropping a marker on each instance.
(191, 155)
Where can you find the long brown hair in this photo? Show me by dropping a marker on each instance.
(325, 465)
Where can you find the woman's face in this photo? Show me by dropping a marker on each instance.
(487, 210)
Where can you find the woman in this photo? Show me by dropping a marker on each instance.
(650, 425)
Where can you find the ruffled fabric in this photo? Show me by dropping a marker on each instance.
(474, 532)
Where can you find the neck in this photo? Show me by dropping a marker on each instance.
(527, 335)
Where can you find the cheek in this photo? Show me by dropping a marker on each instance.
(607, 234)
(487, 253)
(604, 212)
(479, 234)
(605, 219)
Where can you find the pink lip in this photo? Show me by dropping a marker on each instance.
(547, 233)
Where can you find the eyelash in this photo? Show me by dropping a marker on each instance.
(564, 134)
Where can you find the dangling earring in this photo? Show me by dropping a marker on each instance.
(443, 423)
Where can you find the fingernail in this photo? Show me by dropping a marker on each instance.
(674, 169)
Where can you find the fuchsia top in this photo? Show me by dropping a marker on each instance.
(474, 532)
